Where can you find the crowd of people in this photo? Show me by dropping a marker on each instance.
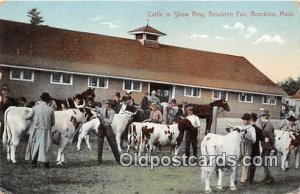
(40, 145)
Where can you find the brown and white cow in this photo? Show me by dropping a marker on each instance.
(153, 134)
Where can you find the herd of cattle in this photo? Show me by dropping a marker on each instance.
(141, 135)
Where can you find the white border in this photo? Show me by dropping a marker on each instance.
(200, 92)
(141, 80)
(245, 98)
(105, 87)
(21, 75)
(226, 98)
(60, 83)
(269, 102)
(140, 90)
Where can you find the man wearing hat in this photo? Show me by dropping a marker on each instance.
(268, 143)
(192, 136)
(106, 116)
(39, 146)
(247, 142)
(255, 147)
(291, 125)
(153, 98)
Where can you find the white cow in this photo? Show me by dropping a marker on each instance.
(15, 125)
(214, 145)
(283, 142)
(153, 134)
(119, 124)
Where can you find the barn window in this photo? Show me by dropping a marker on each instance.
(97, 82)
(269, 100)
(22, 74)
(61, 78)
(218, 94)
(246, 97)
(192, 92)
(132, 85)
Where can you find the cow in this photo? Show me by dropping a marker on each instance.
(153, 134)
(214, 145)
(66, 124)
(285, 142)
(135, 135)
(119, 124)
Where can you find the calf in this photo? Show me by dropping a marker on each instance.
(285, 142)
(216, 145)
(159, 135)
(118, 125)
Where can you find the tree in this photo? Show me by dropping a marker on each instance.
(35, 19)
(290, 85)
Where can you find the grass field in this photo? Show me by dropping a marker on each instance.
(83, 175)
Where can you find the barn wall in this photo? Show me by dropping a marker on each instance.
(32, 91)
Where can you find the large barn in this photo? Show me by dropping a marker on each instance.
(62, 62)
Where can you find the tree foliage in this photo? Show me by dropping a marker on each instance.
(35, 18)
(290, 85)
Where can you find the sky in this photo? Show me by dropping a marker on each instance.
(267, 34)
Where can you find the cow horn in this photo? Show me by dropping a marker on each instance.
(75, 104)
(80, 106)
(229, 125)
(292, 136)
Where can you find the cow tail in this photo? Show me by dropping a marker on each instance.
(6, 138)
(204, 167)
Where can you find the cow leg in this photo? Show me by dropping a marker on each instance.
(220, 178)
(297, 155)
(118, 140)
(13, 147)
(82, 135)
(284, 162)
(61, 148)
(87, 141)
(207, 180)
(233, 179)
(176, 150)
(8, 150)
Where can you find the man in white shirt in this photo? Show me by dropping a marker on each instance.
(247, 142)
(192, 136)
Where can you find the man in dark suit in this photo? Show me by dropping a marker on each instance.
(267, 144)
(255, 146)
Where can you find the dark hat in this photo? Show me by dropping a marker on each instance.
(108, 101)
(173, 101)
(45, 96)
(292, 118)
(124, 99)
(118, 94)
(246, 116)
(264, 113)
(253, 116)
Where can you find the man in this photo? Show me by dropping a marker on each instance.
(267, 144)
(192, 136)
(247, 142)
(5, 102)
(153, 98)
(39, 146)
(106, 116)
(255, 147)
(117, 102)
(291, 125)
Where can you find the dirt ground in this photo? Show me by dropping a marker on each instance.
(82, 174)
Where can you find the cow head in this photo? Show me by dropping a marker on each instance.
(185, 124)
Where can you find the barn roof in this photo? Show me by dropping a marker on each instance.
(297, 95)
(147, 29)
(29, 46)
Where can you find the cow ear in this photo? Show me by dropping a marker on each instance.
(228, 129)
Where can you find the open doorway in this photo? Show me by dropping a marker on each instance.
(164, 91)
